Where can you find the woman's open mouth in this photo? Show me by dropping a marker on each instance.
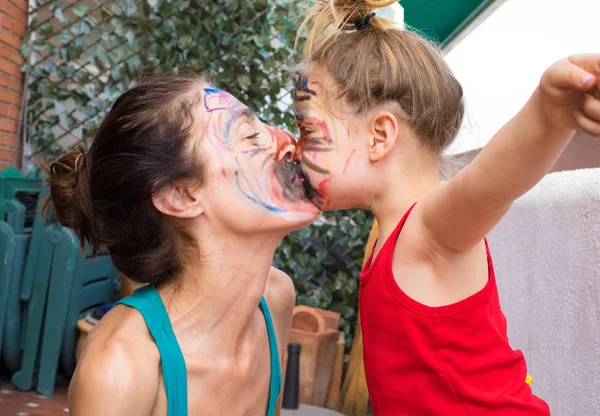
(301, 179)
(294, 183)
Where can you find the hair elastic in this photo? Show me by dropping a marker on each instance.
(364, 23)
(78, 159)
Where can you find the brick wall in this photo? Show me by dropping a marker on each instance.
(13, 22)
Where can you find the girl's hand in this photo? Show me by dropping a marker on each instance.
(570, 93)
(460, 213)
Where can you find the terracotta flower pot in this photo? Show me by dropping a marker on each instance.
(308, 319)
(335, 384)
(316, 331)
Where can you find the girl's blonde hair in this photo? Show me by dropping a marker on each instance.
(382, 64)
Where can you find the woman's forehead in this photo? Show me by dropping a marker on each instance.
(215, 99)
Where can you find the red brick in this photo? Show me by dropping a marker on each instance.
(20, 4)
(11, 83)
(11, 24)
(9, 140)
(11, 53)
(10, 39)
(9, 111)
(10, 97)
(11, 68)
(7, 155)
(19, 15)
(10, 126)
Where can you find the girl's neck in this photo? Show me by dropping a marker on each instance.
(402, 187)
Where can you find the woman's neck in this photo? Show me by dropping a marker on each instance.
(218, 293)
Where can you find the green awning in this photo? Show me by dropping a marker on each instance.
(441, 20)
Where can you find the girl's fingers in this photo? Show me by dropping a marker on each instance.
(588, 125)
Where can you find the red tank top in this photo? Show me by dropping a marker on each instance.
(446, 361)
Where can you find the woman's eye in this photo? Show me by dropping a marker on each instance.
(253, 136)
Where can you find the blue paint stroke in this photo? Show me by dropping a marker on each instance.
(264, 195)
(237, 162)
(304, 84)
(267, 206)
(306, 177)
(212, 91)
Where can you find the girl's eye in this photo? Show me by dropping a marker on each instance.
(304, 131)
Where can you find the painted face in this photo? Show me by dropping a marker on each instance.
(330, 155)
(256, 161)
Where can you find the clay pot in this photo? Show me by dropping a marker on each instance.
(317, 356)
(317, 333)
(332, 319)
(307, 319)
(335, 384)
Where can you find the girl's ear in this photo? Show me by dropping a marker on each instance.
(383, 134)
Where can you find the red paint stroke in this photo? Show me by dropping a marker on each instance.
(311, 122)
(323, 192)
(348, 160)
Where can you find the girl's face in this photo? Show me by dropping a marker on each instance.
(331, 150)
(252, 186)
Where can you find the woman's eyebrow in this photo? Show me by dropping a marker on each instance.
(246, 112)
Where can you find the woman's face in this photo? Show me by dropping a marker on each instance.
(252, 183)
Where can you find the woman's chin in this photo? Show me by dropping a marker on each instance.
(301, 211)
(291, 195)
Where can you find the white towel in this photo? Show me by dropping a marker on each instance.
(546, 251)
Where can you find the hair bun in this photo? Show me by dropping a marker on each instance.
(357, 10)
(328, 18)
(69, 192)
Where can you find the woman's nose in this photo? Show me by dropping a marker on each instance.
(286, 145)
(299, 148)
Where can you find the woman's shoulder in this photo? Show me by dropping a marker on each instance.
(281, 298)
(280, 293)
(119, 369)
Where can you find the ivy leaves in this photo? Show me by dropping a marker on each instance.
(82, 57)
(325, 261)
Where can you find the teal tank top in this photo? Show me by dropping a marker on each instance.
(150, 305)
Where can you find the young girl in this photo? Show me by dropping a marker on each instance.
(376, 106)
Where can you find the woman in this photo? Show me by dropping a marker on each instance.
(191, 194)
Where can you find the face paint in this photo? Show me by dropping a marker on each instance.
(249, 152)
(325, 148)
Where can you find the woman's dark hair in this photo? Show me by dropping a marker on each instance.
(105, 194)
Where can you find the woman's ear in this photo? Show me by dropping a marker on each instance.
(383, 134)
(178, 200)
